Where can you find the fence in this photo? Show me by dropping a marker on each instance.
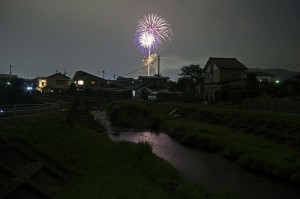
(27, 109)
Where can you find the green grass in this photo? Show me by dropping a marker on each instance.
(250, 151)
(166, 107)
(98, 167)
(132, 114)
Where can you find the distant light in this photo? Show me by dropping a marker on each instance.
(1, 111)
(8, 83)
(29, 88)
(277, 81)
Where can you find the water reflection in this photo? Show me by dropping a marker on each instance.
(211, 170)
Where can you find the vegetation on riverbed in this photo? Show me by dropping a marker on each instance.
(134, 115)
(98, 167)
(250, 151)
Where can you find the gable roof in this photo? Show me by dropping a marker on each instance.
(82, 73)
(152, 77)
(58, 74)
(226, 63)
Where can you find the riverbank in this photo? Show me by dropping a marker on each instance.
(98, 167)
(252, 152)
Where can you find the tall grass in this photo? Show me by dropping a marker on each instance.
(250, 151)
(98, 167)
(131, 114)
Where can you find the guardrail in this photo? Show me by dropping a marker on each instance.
(27, 109)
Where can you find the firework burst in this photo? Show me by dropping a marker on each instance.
(151, 32)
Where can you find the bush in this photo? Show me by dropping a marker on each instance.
(131, 114)
(72, 111)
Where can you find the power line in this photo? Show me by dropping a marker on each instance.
(135, 71)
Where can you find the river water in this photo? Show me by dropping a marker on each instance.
(211, 170)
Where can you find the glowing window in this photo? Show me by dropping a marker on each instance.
(80, 82)
(93, 82)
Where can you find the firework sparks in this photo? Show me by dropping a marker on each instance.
(152, 31)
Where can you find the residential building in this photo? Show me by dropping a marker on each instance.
(264, 77)
(84, 80)
(40, 83)
(161, 81)
(57, 83)
(112, 91)
(223, 74)
(7, 77)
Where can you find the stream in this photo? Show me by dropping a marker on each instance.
(210, 170)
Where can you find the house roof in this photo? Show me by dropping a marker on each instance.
(152, 77)
(226, 63)
(7, 76)
(124, 78)
(58, 74)
(109, 87)
(82, 73)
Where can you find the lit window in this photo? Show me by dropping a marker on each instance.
(80, 82)
(93, 82)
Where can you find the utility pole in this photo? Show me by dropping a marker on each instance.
(158, 65)
(10, 72)
(103, 73)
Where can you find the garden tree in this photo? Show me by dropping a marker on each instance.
(72, 89)
(190, 77)
(192, 72)
(251, 82)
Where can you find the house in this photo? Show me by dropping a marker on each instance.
(263, 77)
(127, 82)
(7, 77)
(161, 81)
(223, 74)
(112, 91)
(40, 83)
(84, 80)
(56, 83)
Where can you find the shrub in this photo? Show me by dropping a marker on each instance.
(131, 114)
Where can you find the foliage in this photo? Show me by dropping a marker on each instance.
(72, 89)
(15, 92)
(98, 167)
(192, 72)
(72, 111)
(131, 114)
(252, 152)
(190, 77)
(251, 81)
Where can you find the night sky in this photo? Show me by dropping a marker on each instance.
(40, 37)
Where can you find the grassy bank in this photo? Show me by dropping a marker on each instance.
(134, 115)
(98, 167)
(250, 151)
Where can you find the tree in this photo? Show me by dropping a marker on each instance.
(191, 76)
(251, 81)
(192, 72)
(72, 89)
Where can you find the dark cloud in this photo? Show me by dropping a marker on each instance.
(40, 37)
